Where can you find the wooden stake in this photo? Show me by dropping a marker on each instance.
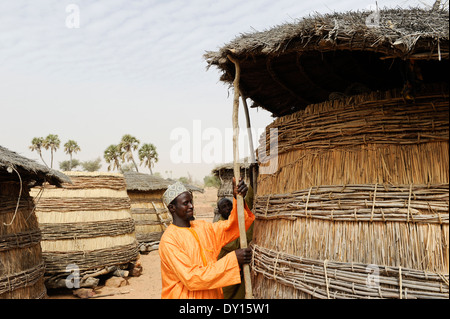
(250, 143)
(237, 171)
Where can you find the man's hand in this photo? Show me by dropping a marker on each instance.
(240, 189)
(244, 256)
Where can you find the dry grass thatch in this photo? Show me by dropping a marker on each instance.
(340, 207)
(144, 182)
(290, 66)
(28, 169)
(88, 223)
(21, 261)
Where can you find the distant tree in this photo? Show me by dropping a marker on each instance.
(92, 166)
(127, 145)
(51, 142)
(211, 181)
(112, 156)
(69, 165)
(148, 156)
(71, 147)
(127, 168)
(184, 180)
(36, 145)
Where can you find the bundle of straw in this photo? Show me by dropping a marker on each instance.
(404, 203)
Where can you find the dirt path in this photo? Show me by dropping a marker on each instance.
(148, 284)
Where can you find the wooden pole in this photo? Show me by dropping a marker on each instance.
(237, 173)
(249, 129)
(250, 143)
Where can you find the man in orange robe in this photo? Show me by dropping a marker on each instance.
(189, 248)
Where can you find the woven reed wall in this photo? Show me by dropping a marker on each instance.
(21, 262)
(358, 205)
(150, 215)
(88, 223)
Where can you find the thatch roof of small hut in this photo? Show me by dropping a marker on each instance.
(190, 187)
(28, 169)
(144, 182)
(243, 164)
(290, 66)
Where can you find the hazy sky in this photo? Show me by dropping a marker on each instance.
(132, 67)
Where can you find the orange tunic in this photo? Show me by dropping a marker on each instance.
(189, 265)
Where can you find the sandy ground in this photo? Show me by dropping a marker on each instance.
(148, 284)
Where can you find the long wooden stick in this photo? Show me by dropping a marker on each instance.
(237, 172)
(250, 142)
(249, 130)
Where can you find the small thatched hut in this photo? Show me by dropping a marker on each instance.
(87, 228)
(356, 203)
(225, 174)
(147, 208)
(21, 262)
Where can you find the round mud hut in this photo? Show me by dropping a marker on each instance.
(147, 208)
(353, 187)
(21, 262)
(87, 229)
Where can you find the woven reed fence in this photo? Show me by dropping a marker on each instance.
(358, 204)
(151, 217)
(21, 261)
(87, 223)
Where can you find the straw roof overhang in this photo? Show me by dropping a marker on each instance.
(29, 170)
(243, 164)
(144, 182)
(290, 66)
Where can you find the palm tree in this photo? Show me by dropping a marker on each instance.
(112, 156)
(148, 156)
(127, 145)
(51, 142)
(36, 145)
(71, 147)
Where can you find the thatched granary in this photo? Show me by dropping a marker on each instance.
(147, 208)
(87, 228)
(357, 201)
(21, 262)
(225, 174)
(291, 66)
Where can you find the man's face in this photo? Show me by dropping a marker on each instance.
(225, 208)
(184, 207)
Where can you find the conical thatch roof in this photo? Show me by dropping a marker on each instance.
(290, 66)
(144, 182)
(28, 169)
